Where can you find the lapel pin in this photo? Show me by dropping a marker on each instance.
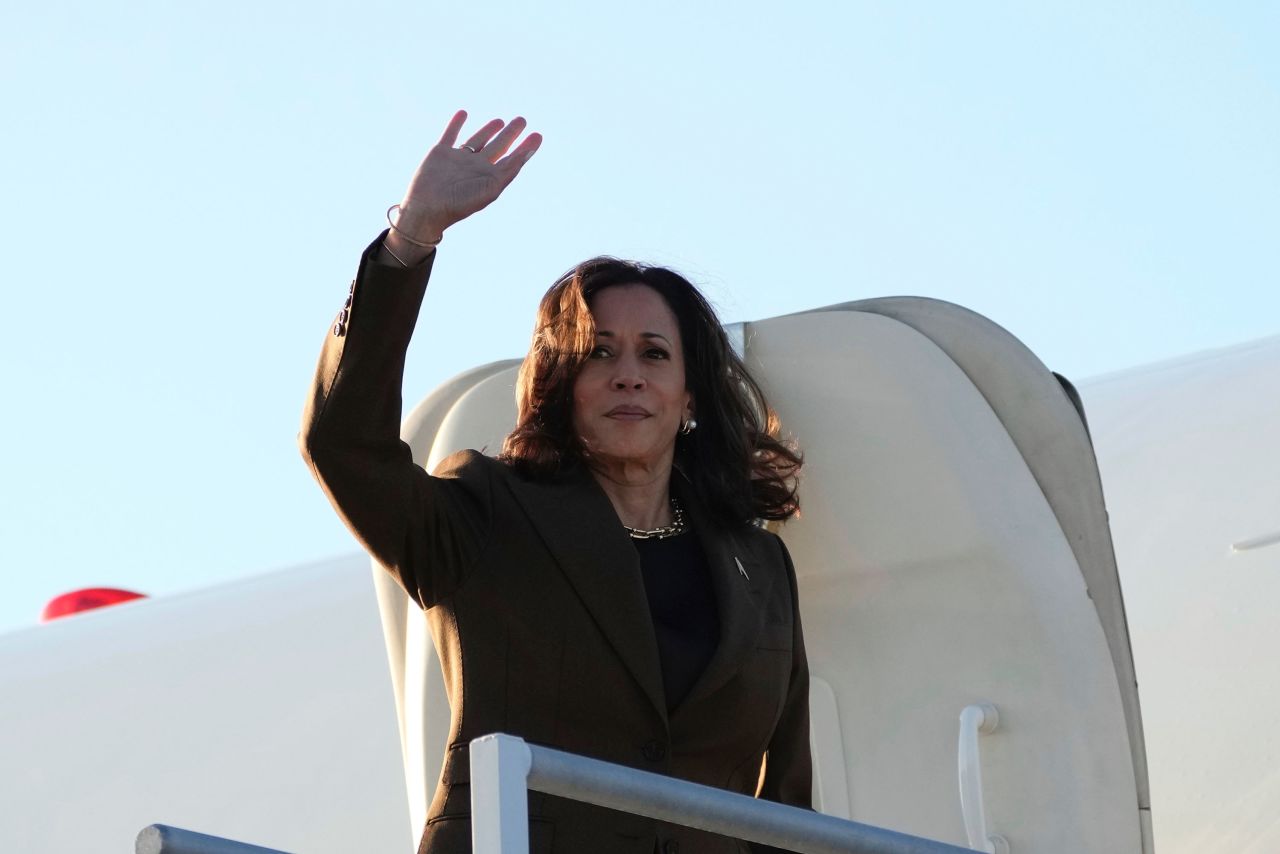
(741, 569)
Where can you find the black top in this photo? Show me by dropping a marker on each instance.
(682, 603)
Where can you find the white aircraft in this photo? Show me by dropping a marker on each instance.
(953, 556)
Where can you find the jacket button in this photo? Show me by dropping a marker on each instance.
(339, 330)
(347, 304)
(342, 316)
(671, 847)
(655, 751)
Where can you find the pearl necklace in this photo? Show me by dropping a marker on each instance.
(676, 527)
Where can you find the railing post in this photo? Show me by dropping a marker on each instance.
(977, 719)
(499, 795)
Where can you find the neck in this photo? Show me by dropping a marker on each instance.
(640, 494)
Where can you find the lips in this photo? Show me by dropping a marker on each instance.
(628, 413)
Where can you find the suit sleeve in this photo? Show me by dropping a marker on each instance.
(788, 766)
(425, 530)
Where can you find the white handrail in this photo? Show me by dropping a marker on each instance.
(975, 720)
(163, 839)
(500, 819)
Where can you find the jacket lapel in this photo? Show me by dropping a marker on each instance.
(580, 528)
(741, 586)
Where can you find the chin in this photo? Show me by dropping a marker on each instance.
(629, 452)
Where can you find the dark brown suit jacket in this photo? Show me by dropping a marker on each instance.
(535, 602)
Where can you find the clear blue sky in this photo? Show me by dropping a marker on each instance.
(187, 187)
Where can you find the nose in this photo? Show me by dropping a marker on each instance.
(627, 374)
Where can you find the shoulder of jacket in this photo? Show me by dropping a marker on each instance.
(470, 464)
(772, 547)
(761, 537)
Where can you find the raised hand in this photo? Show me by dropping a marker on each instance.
(454, 181)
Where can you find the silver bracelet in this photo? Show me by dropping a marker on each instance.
(406, 238)
(394, 255)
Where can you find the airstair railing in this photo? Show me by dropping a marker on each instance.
(504, 768)
(163, 839)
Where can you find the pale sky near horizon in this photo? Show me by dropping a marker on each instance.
(188, 186)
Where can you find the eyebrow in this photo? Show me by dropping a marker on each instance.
(604, 333)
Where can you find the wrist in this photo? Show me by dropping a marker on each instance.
(415, 226)
(397, 251)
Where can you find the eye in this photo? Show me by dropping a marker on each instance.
(656, 353)
(600, 352)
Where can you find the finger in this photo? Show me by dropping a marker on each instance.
(480, 137)
(498, 146)
(531, 143)
(511, 165)
(450, 135)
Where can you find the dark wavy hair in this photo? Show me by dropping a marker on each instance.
(738, 467)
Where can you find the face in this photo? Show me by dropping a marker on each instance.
(629, 398)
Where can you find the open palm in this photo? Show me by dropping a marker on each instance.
(453, 182)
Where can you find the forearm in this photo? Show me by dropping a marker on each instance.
(356, 388)
(350, 436)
